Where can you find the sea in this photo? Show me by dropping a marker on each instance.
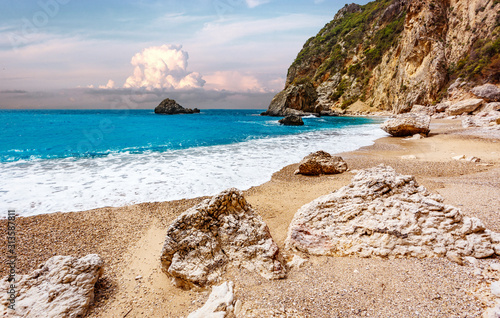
(74, 160)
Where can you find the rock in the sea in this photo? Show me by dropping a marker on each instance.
(489, 92)
(292, 120)
(219, 304)
(407, 125)
(299, 98)
(464, 107)
(62, 287)
(218, 232)
(170, 107)
(383, 213)
(321, 162)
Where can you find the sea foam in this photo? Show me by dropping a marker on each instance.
(74, 184)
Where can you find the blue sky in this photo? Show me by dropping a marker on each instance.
(132, 54)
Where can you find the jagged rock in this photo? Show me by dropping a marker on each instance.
(170, 107)
(464, 107)
(383, 213)
(219, 303)
(62, 287)
(300, 97)
(321, 162)
(407, 125)
(297, 262)
(481, 119)
(442, 107)
(426, 110)
(218, 232)
(292, 120)
(492, 107)
(488, 92)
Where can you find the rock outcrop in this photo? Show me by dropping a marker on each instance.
(407, 125)
(62, 287)
(292, 120)
(488, 92)
(295, 100)
(218, 232)
(321, 162)
(386, 214)
(464, 107)
(170, 107)
(395, 54)
(220, 303)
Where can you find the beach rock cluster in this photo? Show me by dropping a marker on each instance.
(170, 107)
(386, 214)
(321, 162)
(218, 232)
(292, 120)
(220, 303)
(407, 124)
(62, 287)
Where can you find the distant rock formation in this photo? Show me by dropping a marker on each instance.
(395, 54)
(321, 162)
(407, 125)
(292, 120)
(170, 107)
(218, 232)
(62, 287)
(386, 214)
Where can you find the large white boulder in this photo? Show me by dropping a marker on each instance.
(220, 231)
(62, 287)
(407, 124)
(383, 213)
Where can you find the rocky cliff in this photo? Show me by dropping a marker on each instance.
(392, 54)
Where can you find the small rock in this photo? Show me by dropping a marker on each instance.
(471, 260)
(321, 162)
(461, 157)
(138, 277)
(219, 303)
(292, 120)
(297, 262)
(495, 266)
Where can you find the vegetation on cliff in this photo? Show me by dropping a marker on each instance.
(392, 54)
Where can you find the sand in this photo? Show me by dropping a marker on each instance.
(130, 239)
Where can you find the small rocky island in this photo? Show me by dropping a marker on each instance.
(170, 107)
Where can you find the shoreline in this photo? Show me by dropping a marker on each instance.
(129, 239)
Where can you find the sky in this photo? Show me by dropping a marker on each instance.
(114, 54)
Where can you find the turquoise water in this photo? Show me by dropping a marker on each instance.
(69, 160)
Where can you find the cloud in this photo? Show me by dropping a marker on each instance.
(233, 81)
(109, 85)
(256, 3)
(163, 67)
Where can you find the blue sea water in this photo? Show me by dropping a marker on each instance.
(70, 160)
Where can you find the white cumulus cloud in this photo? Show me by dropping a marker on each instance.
(163, 67)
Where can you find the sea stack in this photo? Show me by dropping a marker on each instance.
(170, 107)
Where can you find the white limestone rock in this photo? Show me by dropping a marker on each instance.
(219, 303)
(62, 287)
(464, 107)
(386, 214)
(408, 124)
(218, 232)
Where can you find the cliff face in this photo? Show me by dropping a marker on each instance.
(392, 54)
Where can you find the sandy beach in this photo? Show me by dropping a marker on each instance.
(130, 238)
